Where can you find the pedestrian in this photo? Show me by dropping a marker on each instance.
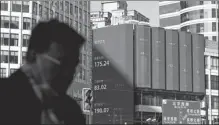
(36, 93)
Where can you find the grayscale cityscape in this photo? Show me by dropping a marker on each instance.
(142, 62)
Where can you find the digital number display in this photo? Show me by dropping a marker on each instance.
(100, 87)
(101, 110)
(101, 64)
(99, 42)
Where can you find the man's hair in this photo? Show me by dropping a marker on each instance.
(46, 33)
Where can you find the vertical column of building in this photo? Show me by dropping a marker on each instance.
(158, 58)
(185, 51)
(172, 60)
(142, 56)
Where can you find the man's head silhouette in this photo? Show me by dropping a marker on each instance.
(53, 53)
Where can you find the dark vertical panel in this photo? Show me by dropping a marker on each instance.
(158, 58)
(113, 68)
(185, 52)
(142, 57)
(198, 42)
(172, 60)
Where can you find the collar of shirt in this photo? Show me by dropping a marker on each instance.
(43, 91)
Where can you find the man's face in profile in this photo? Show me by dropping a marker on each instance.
(60, 68)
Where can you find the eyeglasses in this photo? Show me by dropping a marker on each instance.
(52, 59)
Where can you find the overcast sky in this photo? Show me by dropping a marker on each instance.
(148, 8)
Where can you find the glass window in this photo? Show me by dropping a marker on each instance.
(46, 13)
(57, 15)
(76, 25)
(66, 20)
(80, 27)
(170, 21)
(206, 82)
(61, 17)
(61, 5)
(214, 82)
(14, 40)
(25, 6)
(80, 14)
(51, 13)
(67, 7)
(85, 3)
(85, 31)
(5, 21)
(206, 62)
(214, 38)
(4, 5)
(4, 56)
(214, 27)
(25, 42)
(169, 8)
(85, 17)
(214, 63)
(40, 10)
(26, 23)
(14, 22)
(148, 99)
(57, 5)
(4, 39)
(3, 73)
(24, 57)
(71, 23)
(192, 15)
(213, 13)
(13, 57)
(12, 70)
(71, 9)
(186, 4)
(76, 10)
(16, 6)
(34, 22)
(195, 28)
(214, 102)
(35, 8)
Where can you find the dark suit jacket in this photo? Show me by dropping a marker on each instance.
(19, 104)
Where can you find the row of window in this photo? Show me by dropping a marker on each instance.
(12, 39)
(3, 73)
(214, 101)
(9, 56)
(199, 28)
(197, 14)
(214, 82)
(13, 22)
(155, 98)
(214, 63)
(17, 6)
(69, 8)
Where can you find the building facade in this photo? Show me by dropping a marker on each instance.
(191, 16)
(212, 80)
(19, 17)
(115, 13)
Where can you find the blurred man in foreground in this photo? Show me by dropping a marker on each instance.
(36, 93)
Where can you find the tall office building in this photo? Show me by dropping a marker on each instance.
(191, 16)
(115, 13)
(19, 17)
(212, 80)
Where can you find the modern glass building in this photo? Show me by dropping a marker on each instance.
(198, 17)
(19, 17)
(191, 16)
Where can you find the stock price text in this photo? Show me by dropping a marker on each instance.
(101, 110)
(100, 87)
(101, 63)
